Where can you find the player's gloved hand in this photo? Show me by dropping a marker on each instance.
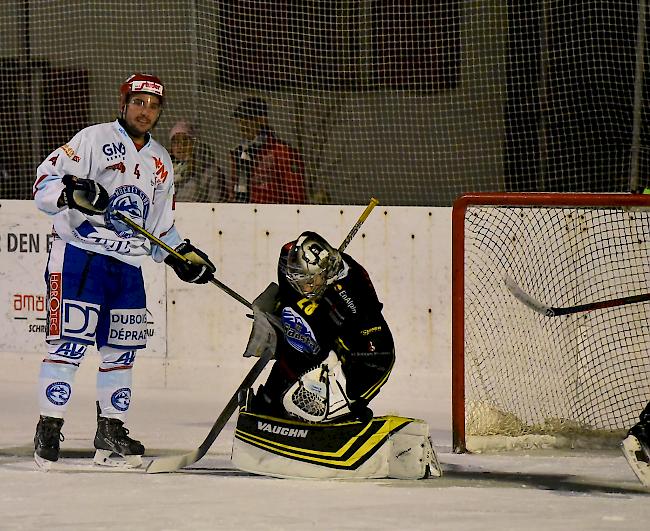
(198, 270)
(84, 195)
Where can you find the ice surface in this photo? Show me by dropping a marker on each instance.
(523, 491)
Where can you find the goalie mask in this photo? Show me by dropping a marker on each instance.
(312, 264)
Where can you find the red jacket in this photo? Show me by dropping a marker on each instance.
(273, 170)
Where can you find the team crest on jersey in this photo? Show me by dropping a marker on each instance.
(298, 332)
(58, 393)
(130, 201)
(121, 399)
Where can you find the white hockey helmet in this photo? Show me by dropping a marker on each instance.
(312, 264)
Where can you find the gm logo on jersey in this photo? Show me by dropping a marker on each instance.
(113, 150)
(121, 399)
(130, 201)
(58, 393)
(298, 332)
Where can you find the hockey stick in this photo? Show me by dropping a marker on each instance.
(364, 215)
(172, 463)
(171, 251)
(552, 311)
(176, 462)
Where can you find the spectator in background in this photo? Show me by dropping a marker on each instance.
(197, 176)
(264, 169)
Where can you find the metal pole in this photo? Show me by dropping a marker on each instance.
(635, 150)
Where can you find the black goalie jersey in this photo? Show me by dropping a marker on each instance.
(346, 319)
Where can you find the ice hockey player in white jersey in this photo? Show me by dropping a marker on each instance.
(95, 288)
(636, 447)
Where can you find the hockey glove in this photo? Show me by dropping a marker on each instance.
(84, 195)
(263, 336)
(198, 270)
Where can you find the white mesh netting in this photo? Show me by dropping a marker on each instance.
(412, 102)
(526, 373)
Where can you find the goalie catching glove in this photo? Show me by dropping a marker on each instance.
(320, 395)
(85, 195)
(196, 266)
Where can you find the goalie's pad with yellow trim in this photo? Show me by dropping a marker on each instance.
(384, 447)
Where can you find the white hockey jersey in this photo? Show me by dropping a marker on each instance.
(140, 185)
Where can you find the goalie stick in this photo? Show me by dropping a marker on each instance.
(553, 311)
(176, 462)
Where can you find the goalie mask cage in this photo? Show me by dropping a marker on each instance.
(522, 379)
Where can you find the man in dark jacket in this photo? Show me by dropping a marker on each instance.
(264, 169)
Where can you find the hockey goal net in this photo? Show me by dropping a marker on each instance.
(520, 378)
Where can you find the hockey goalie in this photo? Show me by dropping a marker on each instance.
(333, 352)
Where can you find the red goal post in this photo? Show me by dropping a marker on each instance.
(523, 376)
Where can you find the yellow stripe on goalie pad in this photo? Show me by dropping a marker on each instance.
(343, 445)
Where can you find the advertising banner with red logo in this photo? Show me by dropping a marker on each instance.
(25, 239)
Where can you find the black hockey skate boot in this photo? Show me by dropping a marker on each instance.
(46, 441)
(112, 441)
(641, 430)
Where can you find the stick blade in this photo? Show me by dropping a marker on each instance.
(172, 463)
(526, 299)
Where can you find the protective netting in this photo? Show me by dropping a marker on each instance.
(582, 373)
(412, 102)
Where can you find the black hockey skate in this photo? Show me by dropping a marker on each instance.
(46, 441)
(113, 445)
(636, 449)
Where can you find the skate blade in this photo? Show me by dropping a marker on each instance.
(42, 464)
(634, 453)
(111, 459)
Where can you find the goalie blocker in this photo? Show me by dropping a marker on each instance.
(383, 447)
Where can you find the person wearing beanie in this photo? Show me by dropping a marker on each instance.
(198, 177)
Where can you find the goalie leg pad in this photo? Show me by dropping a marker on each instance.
(384, 447)
(412, 454)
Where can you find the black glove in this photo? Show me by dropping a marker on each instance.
(199, 271)
(84, 195)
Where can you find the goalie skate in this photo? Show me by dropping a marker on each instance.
(637, 455)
